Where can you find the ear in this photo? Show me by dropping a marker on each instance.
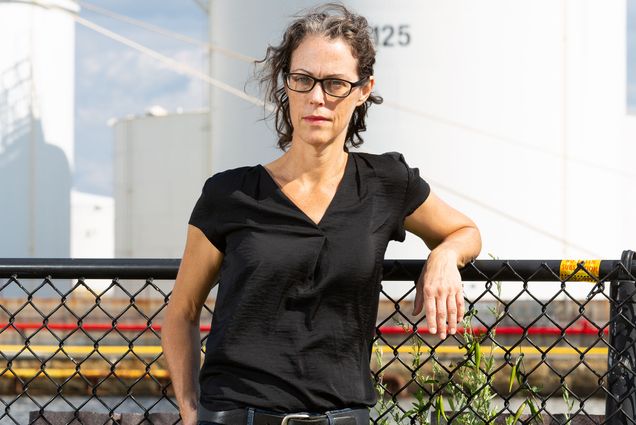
(365, 91)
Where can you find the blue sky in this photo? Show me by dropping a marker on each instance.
(631, 55)
(113, 81)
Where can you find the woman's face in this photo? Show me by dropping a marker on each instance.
(318, 118)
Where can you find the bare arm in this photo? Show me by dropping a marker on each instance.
(454, 240)
(180, 337)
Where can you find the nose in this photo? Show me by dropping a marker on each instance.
(317, 94)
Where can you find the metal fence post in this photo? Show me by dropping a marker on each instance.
(620, 406)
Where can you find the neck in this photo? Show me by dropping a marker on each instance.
(312, 165)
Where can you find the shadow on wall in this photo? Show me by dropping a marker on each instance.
(35, 177)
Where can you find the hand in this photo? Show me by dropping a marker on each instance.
(439, 287)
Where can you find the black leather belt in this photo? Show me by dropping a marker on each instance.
(261, 417)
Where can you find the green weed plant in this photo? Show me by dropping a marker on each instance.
(468, 391)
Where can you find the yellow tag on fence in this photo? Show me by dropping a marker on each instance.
(590, 274)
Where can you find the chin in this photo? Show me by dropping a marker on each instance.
(317, 140)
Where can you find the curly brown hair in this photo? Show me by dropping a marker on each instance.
(334, 21)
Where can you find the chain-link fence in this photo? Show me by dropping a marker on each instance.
(542, 342)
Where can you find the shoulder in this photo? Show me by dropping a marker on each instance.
(384, 164)
(227, 181)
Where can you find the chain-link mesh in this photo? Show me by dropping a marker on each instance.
(535, 344)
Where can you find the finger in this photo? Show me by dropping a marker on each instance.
(431, 312)
(460, 305)
(441, 315)
(419, 301)
(451, 306)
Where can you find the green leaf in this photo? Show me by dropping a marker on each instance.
(438, 410)
(477, 355)
(535, 390)
(513, 376)
(441, 405)
(489, 363)
(519, 412)
(534, 410)
(519, 377)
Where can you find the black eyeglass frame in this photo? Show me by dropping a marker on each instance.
(321, 81)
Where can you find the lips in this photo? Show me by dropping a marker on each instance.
(315, 118)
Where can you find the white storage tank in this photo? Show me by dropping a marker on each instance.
(93, 233)
(518, 124)
(161, 163)
(37, 66)
(514, 112)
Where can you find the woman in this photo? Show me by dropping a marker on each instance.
(298, 244)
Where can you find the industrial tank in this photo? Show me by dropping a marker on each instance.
(518, 127)
(37, 41)
(160, 165)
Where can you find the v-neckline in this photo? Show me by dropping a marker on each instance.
(341, 183)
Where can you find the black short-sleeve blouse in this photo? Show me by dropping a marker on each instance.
(297, 301)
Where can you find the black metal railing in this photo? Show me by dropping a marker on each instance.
(83, 337)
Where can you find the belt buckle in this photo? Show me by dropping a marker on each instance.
(289, 416)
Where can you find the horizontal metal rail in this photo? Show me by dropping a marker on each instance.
(135, 268)
(583, 328)
(153, 350)
(89, 268)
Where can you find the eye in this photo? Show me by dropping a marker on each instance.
(300, 79)
(337, 84)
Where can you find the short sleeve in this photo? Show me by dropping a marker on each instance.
(205, 214)
(415, 192)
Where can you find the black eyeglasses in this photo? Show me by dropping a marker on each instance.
(335, 87)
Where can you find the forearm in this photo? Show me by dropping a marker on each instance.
(180, 340)
(461, 246)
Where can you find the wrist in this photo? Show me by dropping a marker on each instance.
(188, 407)
(188, 413)
(445, 254)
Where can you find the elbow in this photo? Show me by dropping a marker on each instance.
(465, 243)
(175, 324)
(476, 237)
(176, 320)
(183, 309)
(179, 319)
(472, 243)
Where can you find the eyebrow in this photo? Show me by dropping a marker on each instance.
(340, 76)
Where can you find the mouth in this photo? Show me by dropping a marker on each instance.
(315, 118)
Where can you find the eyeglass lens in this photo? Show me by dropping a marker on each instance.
(332, 86)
